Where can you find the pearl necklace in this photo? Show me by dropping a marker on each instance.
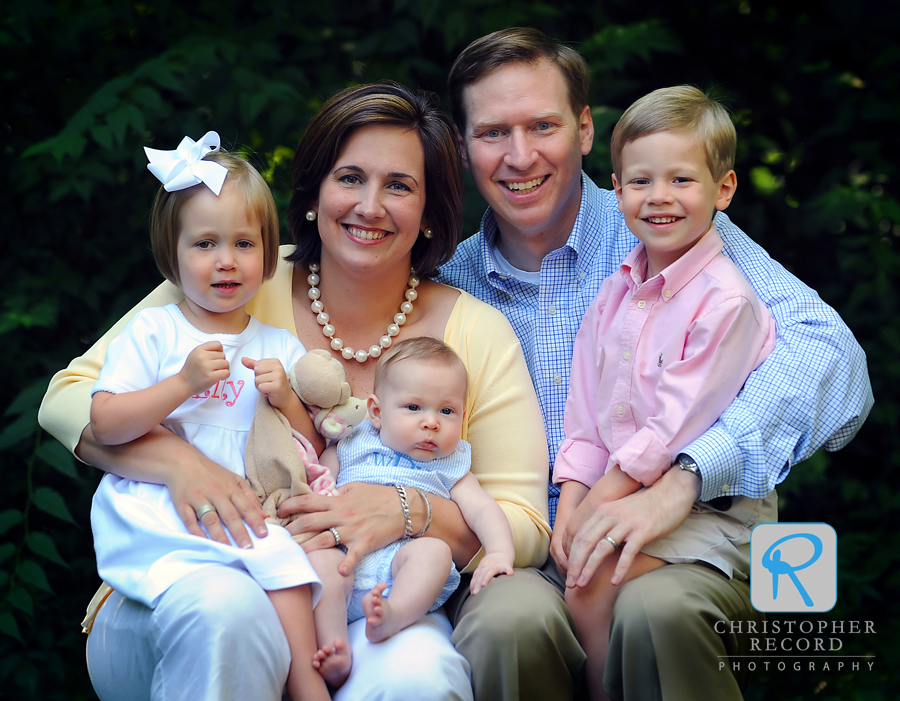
(328, 330)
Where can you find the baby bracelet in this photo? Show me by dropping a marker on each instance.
(404, 505)
(428, 506)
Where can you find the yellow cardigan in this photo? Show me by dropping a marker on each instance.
(503, 419)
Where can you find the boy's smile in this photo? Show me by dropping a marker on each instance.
(668, 195)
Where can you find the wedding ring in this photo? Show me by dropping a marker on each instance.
(205, 509)
(612, 542)
(337, 538)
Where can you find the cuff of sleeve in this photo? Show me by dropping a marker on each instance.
(720, 463)
(643, 457)
(580, 461)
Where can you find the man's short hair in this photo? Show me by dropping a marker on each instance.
(516, 45)
(422, 348)
(681, 108)
(164, 217)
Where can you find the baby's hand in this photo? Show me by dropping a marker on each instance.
(272, 381)
(204, 366)
(490, 566)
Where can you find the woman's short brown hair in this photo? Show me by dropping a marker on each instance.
(164, 228)
(385, 103)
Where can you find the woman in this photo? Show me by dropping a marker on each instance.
(377, 192)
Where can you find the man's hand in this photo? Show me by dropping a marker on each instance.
(631, 522)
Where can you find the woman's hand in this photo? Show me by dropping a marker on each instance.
(631, 522)
(193, 481)
(366, 516)
(205, 482)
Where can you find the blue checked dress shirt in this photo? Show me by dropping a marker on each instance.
(813, 390)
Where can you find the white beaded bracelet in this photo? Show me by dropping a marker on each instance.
(404, 505)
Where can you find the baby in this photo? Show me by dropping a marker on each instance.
(412, 441)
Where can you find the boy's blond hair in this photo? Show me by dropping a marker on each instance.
(423, 348)
(164, 226)
(681, 108)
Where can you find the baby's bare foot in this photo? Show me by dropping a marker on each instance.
(380, 621)
(333, 662)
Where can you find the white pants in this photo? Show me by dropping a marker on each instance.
(214, 635)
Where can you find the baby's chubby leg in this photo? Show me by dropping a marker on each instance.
(294, 609)
(592, 608)
(420, 569)
(333, 658)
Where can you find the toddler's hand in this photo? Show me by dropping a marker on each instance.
(490, 566)
(272, 381)
(557, 547)
(204, 366)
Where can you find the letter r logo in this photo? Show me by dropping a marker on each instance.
(793, 567)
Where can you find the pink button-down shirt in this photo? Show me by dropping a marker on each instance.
(655, 363)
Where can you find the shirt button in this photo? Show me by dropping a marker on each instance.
(581, 276)
(642, 304)
(551, 310)
(626, 355)
(503, 277)
(725, 487)
(667, 294)
(557, 379)
(620, 410)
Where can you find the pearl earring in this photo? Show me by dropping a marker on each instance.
(310, 216)
(428, 233)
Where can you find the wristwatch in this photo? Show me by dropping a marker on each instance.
(686, 462)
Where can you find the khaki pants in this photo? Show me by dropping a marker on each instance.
(519, 637)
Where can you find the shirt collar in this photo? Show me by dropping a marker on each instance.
(585, 234)
(679, 273)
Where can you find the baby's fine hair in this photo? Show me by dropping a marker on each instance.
(422, 348)
(681, 108)
(164, 225)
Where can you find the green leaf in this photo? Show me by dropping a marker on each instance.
(102, 135)
(43, 545)
(29, 398)
(21, 599)
(6, 550)
(54, 454)
(149, 98)
(9, 626)
(8, 519)
(18, 430)
(118, 123)
(32, 573)
(136, 117)
(49, 501)
(764, 181)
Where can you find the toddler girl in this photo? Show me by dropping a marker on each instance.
(413, 442)
(196, 367)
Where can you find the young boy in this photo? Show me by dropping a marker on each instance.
(663, 349)
(413, 442)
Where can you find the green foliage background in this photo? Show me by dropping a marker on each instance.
(86, 84)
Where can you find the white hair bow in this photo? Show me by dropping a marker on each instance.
(184, 167)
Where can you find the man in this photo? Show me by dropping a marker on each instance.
(550, 236)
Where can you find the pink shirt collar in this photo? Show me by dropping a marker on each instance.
(677, 275)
